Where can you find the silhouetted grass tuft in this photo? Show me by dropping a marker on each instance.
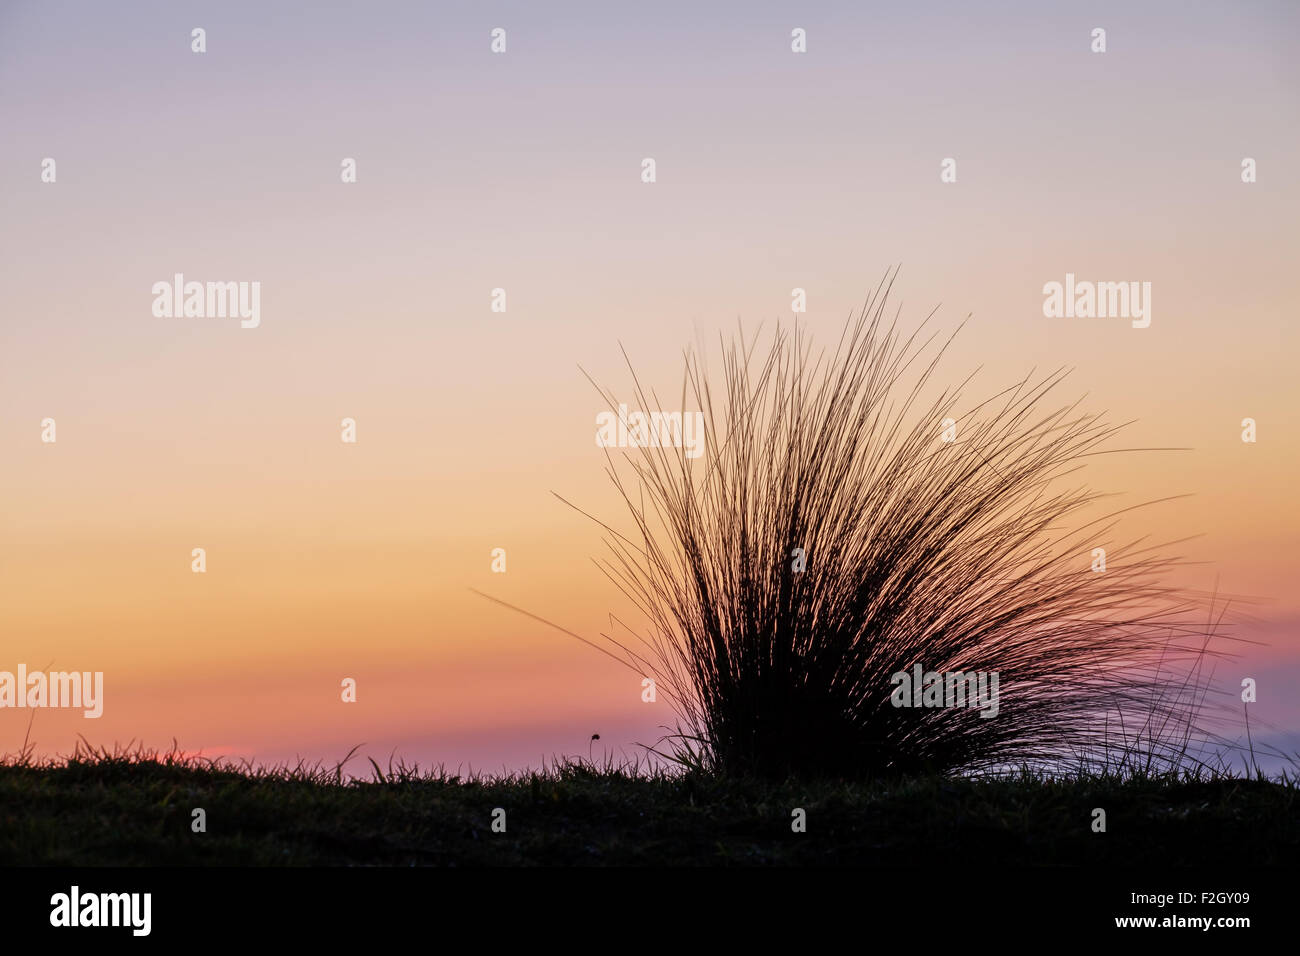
(966, 555)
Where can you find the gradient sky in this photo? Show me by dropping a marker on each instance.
(775, 170)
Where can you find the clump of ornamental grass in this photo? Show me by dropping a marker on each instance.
(973, 554)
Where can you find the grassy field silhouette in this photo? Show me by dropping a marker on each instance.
(135, 808)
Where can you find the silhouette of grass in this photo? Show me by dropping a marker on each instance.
(134, 807)
(965, 555)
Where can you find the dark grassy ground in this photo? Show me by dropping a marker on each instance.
(136, 810)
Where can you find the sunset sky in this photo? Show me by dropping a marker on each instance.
(522, 171)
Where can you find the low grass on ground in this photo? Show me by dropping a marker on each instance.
(137, 809)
